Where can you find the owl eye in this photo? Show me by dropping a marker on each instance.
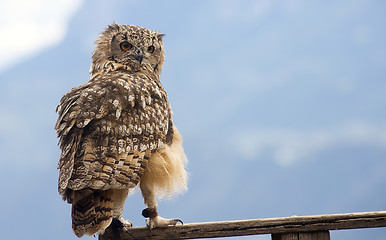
(126, 46)
(151, 49)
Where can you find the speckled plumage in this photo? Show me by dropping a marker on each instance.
(117, 131)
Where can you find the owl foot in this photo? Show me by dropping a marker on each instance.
(161, 222)
(154, 220)
(121, 223)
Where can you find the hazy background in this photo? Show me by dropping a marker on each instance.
(281, 104)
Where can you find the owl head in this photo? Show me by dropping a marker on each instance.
(136, 47)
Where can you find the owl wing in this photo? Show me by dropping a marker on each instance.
(107, 128)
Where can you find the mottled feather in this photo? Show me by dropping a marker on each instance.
(107, 120)
(117, 130)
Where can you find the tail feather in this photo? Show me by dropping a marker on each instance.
(92, 214)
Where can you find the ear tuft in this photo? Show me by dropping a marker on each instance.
(113, 27)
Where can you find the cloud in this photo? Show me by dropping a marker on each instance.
(288, 146)
(28, 26)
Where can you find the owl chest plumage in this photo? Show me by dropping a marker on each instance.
(113, 124)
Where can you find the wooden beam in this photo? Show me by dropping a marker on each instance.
(295, 224)
(323, 235)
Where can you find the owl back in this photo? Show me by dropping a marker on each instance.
(108, 128)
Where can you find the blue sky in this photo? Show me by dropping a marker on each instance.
(281, 105)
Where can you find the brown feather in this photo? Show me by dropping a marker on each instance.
(111, 128)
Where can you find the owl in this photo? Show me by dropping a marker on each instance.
(116, 132)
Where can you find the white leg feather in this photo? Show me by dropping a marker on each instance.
(119, 197)
(164, 174)
(153, 219)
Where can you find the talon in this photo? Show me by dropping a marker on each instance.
(126, 224)
(121, 223)
(154, 222)
(179, 220)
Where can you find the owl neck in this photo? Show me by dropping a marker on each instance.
(111, 66)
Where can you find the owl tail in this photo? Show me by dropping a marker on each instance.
(92, 213)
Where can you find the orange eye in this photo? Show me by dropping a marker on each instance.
(126, 46)
(151, 49)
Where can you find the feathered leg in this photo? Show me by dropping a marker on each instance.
(164, 174)
(119, 197)
(153, 219)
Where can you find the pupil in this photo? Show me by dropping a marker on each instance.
(125, 46)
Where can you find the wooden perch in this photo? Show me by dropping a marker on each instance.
(278, 227)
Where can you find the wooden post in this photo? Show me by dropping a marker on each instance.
(297, 227)
(323, 235)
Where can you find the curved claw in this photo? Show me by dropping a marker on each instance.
(178, 220)
(161, 222)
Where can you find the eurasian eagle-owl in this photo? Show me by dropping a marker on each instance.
(116, 131)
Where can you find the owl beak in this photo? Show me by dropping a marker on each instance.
(139, 57)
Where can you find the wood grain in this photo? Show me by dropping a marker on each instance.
(295, 224)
